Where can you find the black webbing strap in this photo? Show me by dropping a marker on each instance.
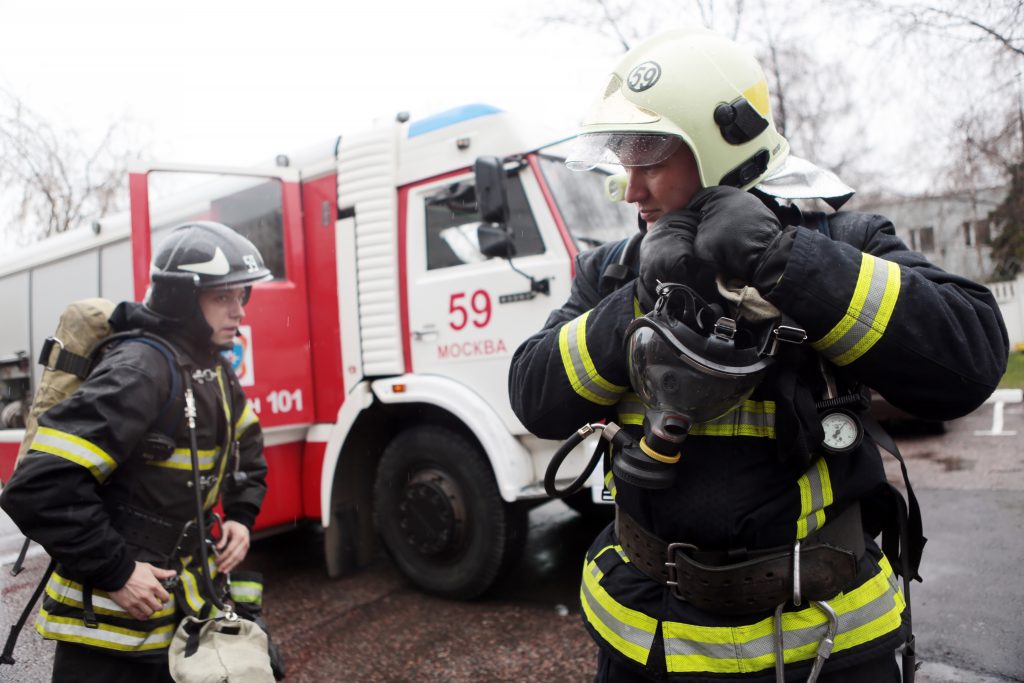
(88, 614)
(614, 275)
(192, 628)
(912, 545)
(909, 543)
(7, 657)
(66, 361)
(170, 420)
(19, 563)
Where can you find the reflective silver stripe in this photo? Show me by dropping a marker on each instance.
(246, 591)
(868, 314)
(580, 369)
(631, 409)
(248, 419)
(750, 418)
(181, 459)
(68, 592)
(75, 449)
(609, 483)
(104, 635)
(866, 613)
(608, 618)
(815, 495)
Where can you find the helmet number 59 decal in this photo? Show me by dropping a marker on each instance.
(643, 76)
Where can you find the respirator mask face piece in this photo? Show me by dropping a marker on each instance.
(689, 364)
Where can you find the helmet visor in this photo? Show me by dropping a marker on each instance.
(625, 149)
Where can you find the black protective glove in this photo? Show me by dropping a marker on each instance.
(740, 236)
(664, 253)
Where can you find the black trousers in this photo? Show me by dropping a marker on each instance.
(83, 664)
(881, 670)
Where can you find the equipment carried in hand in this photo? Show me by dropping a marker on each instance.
(222, 649)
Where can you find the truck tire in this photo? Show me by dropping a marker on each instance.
(439, 513)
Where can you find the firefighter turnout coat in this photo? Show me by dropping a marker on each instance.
(97, 500)
(931, 342)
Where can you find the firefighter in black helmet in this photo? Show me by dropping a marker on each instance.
(758, 560)
(105, 487)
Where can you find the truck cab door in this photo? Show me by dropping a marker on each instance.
(467, 313)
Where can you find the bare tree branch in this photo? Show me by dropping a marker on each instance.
(50, 182)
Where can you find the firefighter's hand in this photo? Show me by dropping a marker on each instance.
(736, 232)
(665, 252)
(233, 546)
(143, 594)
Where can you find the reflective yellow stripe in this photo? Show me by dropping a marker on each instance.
(250, 592)
(214, 492)
(181, 459)
(631, 409)
(871, 307)
(868, 612)
(815, 495)
(609, 483)
(248, 419)
(579, 367)
(750, 418)
(191, 590)
(68, 592)
(73, 630)
(75, 449)
(627, 630)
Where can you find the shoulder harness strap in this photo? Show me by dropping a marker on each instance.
(614, 275)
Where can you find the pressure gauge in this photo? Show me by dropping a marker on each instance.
(843, 431)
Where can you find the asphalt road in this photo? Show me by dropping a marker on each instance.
(374, 627)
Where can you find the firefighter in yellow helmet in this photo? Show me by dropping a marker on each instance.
(757, 559)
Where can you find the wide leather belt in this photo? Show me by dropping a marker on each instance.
(165, 537)
(749, 581)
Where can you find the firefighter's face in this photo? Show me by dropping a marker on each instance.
(665, 186)
(223, 310)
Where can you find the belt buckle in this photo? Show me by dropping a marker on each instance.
(670, 565)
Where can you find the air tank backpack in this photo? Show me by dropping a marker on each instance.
(68, 357)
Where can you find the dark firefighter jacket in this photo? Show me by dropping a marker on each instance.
(86, 480)
(930, 342)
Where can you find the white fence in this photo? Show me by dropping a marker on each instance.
(1010, 295)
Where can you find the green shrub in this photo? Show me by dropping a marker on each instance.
(1014, 377)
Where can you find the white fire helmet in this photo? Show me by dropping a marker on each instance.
(689, 86)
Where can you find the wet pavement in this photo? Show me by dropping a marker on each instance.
(374, 626)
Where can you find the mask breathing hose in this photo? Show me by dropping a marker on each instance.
(610, 432)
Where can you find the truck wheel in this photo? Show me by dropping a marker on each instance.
(440, 515)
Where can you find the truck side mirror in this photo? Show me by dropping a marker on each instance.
(490, 190)
(494, 240)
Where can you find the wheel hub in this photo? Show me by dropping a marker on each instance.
(431, 513)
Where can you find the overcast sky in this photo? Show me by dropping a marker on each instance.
(236, 82)
(231, 81)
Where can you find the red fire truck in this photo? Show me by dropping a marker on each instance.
(409, 261)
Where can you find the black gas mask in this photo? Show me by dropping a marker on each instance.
(689, 363)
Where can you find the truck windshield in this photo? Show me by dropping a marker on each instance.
(591, 217)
